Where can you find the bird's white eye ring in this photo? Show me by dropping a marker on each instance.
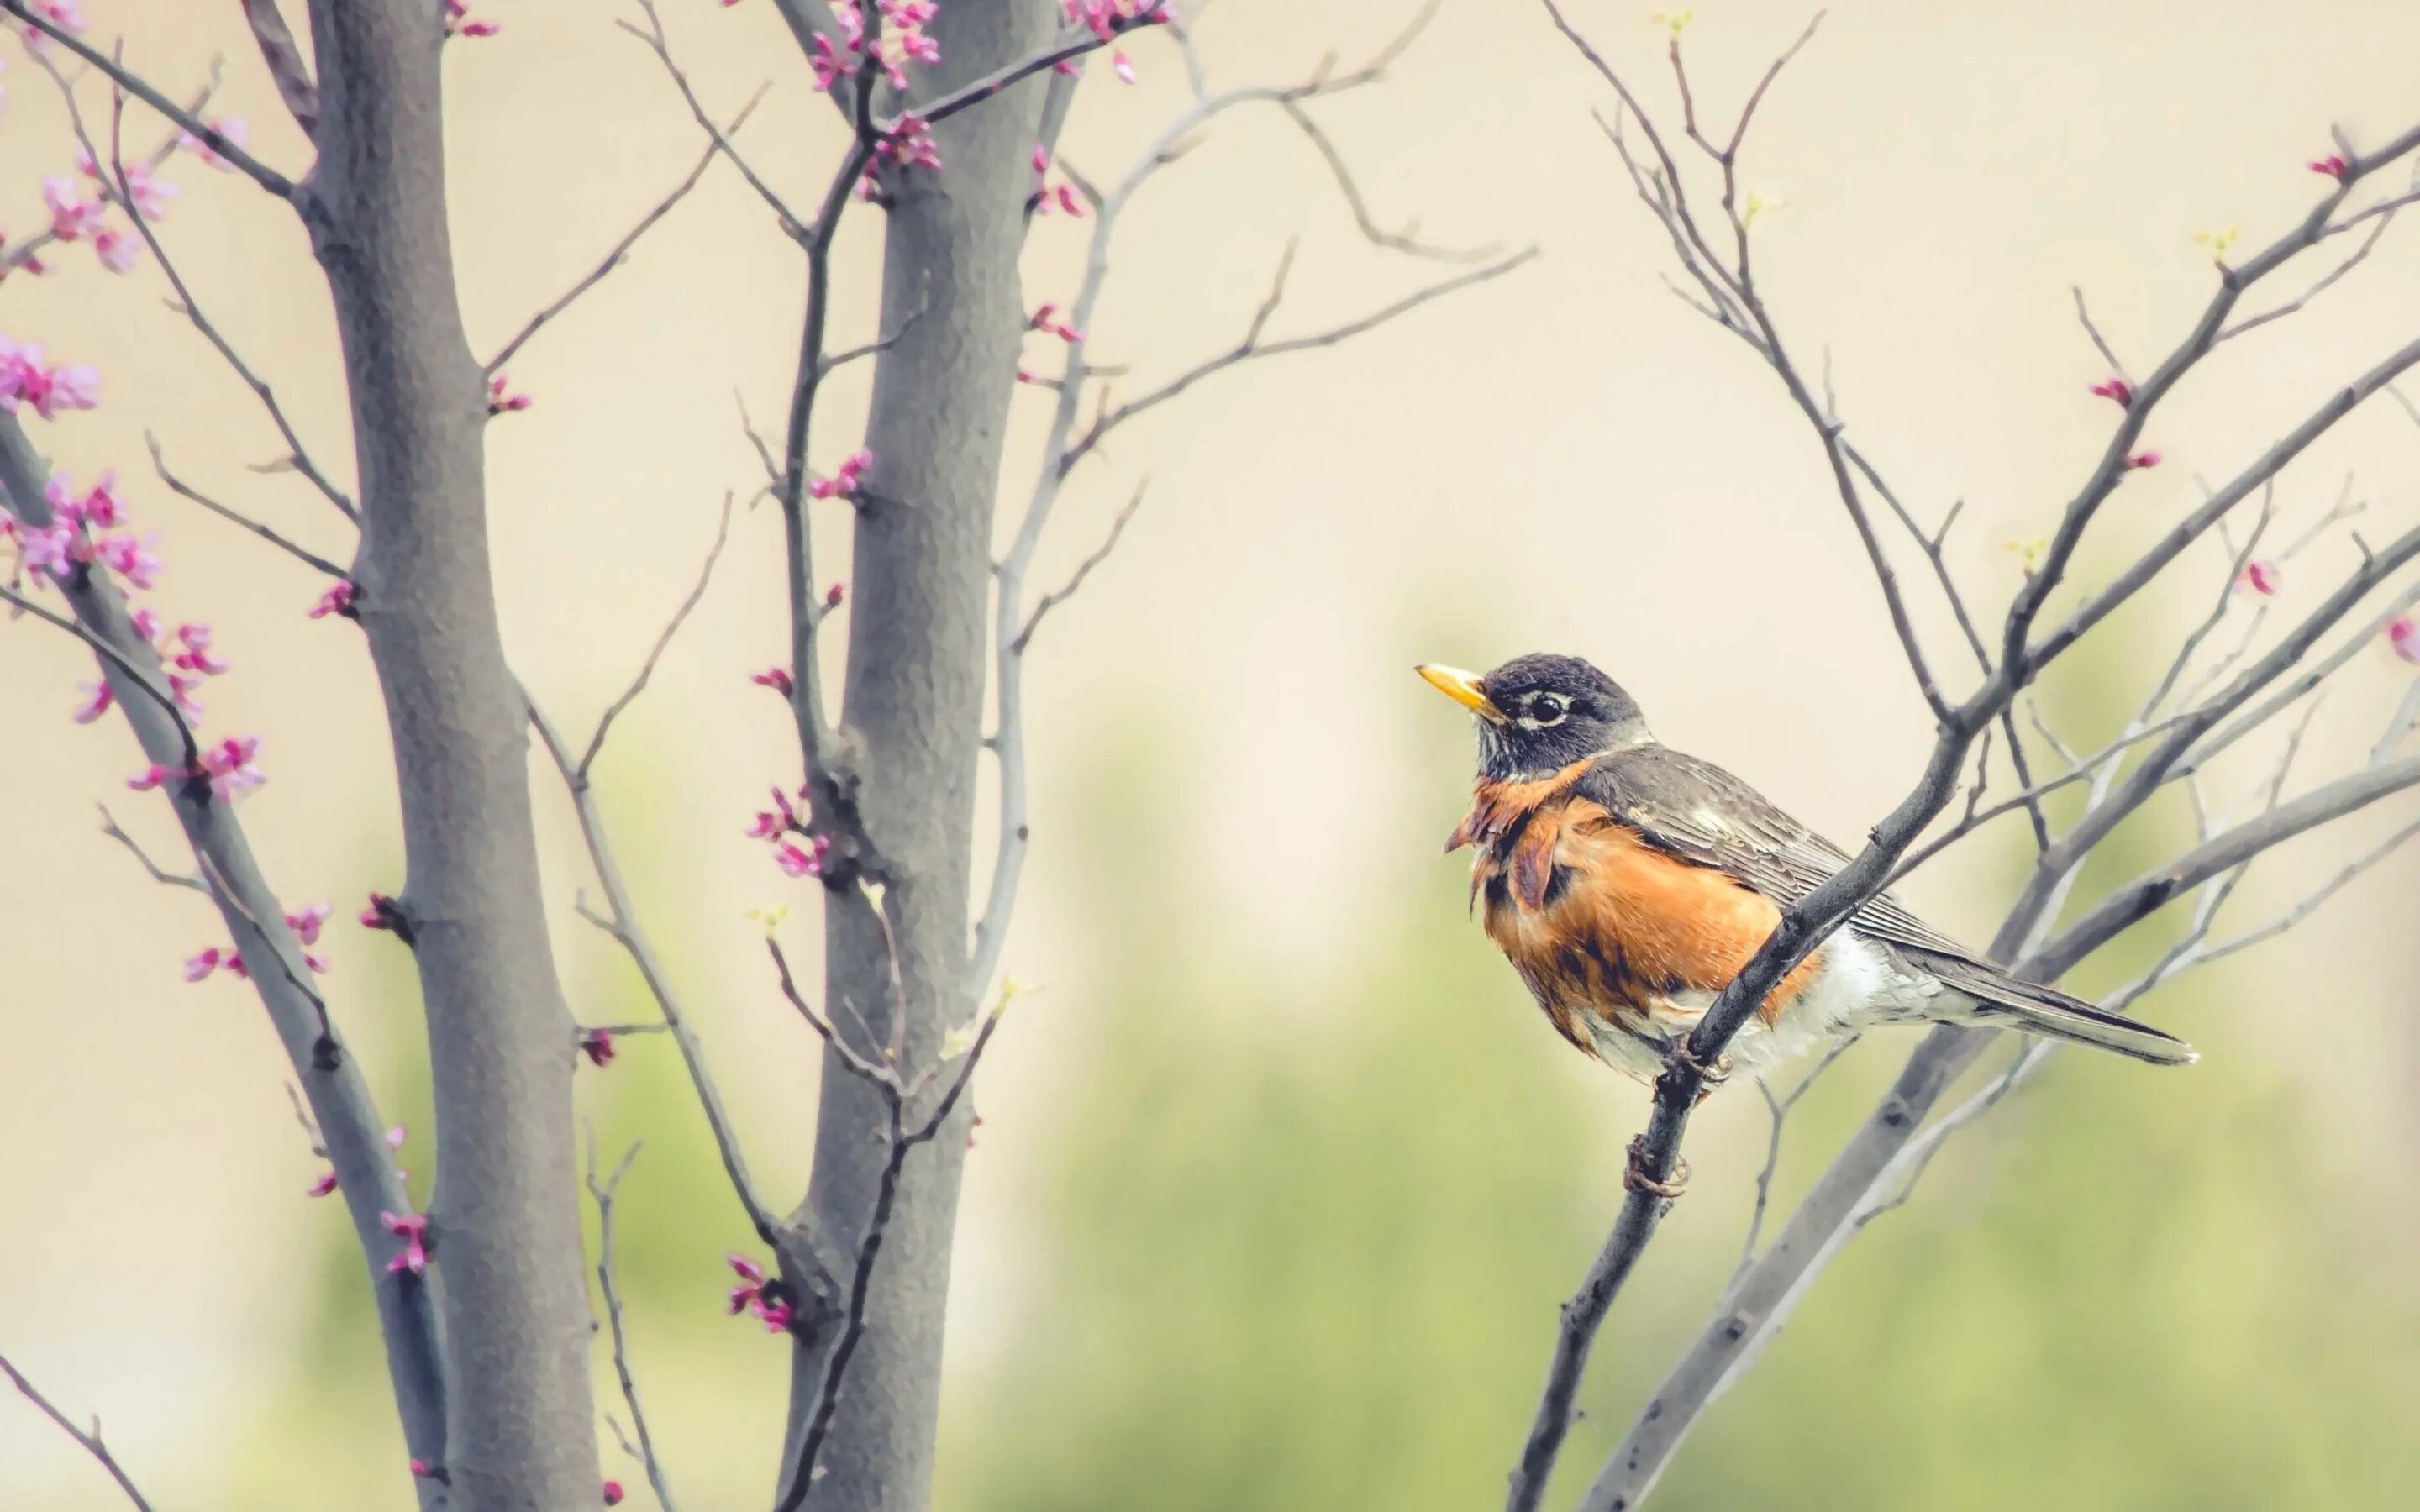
(1541, 710)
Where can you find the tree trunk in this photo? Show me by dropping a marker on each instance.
(913, 731)
(505, 1227)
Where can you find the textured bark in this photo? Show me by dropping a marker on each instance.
(350, 1127)
(505, 1227)
(911, 732)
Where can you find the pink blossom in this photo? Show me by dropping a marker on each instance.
(2404, 635)
(180, 689)
(613, 1493)
(1047, 318)
(776, 1316)
(2261, 578)
(412, 1228)
(146, 622)
(803, 862)
(2333, 165)
(97, 698)
(316, 962)
(767, 827)
(119, 252)
(423, 1469)
(396, 1135)
(308, 923)
(49, 549)
(201, 965)
(325, 1185)
(380, 912)
(235, 964)
(24, 378)
(231, 129)
(231, 766)
(751, 1283)
(841, 484)
(338, 600)
(2144, 459)
(71, 215)
(148, 193)
(130, 557)
(499, 401)
(1122, 67)
(2116, 389)
(149, 777)
(776, 678)
(1040, 159)
(598, 1045)
(482, 28)
(197, 657)
(98, 507)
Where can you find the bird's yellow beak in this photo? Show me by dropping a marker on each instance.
(1463, 687)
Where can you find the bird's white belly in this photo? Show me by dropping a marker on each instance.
(1859, 987)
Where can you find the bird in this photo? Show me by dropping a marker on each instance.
(1628, 883)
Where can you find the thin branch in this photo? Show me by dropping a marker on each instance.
(656, 652)
(620, 248)
(2326, 282)
(791, 222)
(1405, 240)
(603, 1194)
(1779, 1110)
(166, 878)
(251, 167)
(2100, 342)
(119, 659)
(1083, 570)
(184, 490)
(90, 1442)
(299, 457)
(621, 924)
(1252, 347)
(287, 69)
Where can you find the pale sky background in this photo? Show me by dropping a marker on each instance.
(1565, 459)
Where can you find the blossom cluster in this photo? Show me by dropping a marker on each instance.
(749, 1296)
(782, 822)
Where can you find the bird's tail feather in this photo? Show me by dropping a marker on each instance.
(1992, 999)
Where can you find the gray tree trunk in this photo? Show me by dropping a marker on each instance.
(506, 1218)
(912, 730)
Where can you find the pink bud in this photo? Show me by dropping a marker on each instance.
(2261, 578)
(2404, 635)
(152, 777)
(325, 1185)
(2333, 165)
(1122, 67)
(201, 965)
(421, 1469)
(833, 595)
(613, 1493)
(2117, 388)
(598, 1045)
(2144, 459)
(776, 678)
(1041, 158)
(396, 1135)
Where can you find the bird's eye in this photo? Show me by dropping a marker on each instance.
(1545, 708)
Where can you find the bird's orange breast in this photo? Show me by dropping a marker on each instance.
(1601, 924)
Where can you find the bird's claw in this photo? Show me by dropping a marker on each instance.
(1634, 1177)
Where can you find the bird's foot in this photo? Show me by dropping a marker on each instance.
(1634, 1177)
(1708, 1076)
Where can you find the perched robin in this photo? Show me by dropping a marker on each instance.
(1628, 884)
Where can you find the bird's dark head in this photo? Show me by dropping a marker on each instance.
(1539, 714)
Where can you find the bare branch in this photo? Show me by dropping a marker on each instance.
(791, 222)
(253, 168)
(135, 675)
(603, 1194)
(90, 1442)
(622, 249)
(1252, 346)
(287, 69)
(656, 652)
(1405, 240)
(166, 878)
(1083, 570)
(620, 923)
(184, 490)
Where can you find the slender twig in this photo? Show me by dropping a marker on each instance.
(185, 490)
(119, 659)
(603, 1194)
(253, 168)
(1083, 570)
(655, 652)
(88, 1442)
(299, 456)
(789, 220)
(1779, 1109)
(620, 248)
(620, 923)
(166, 878)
